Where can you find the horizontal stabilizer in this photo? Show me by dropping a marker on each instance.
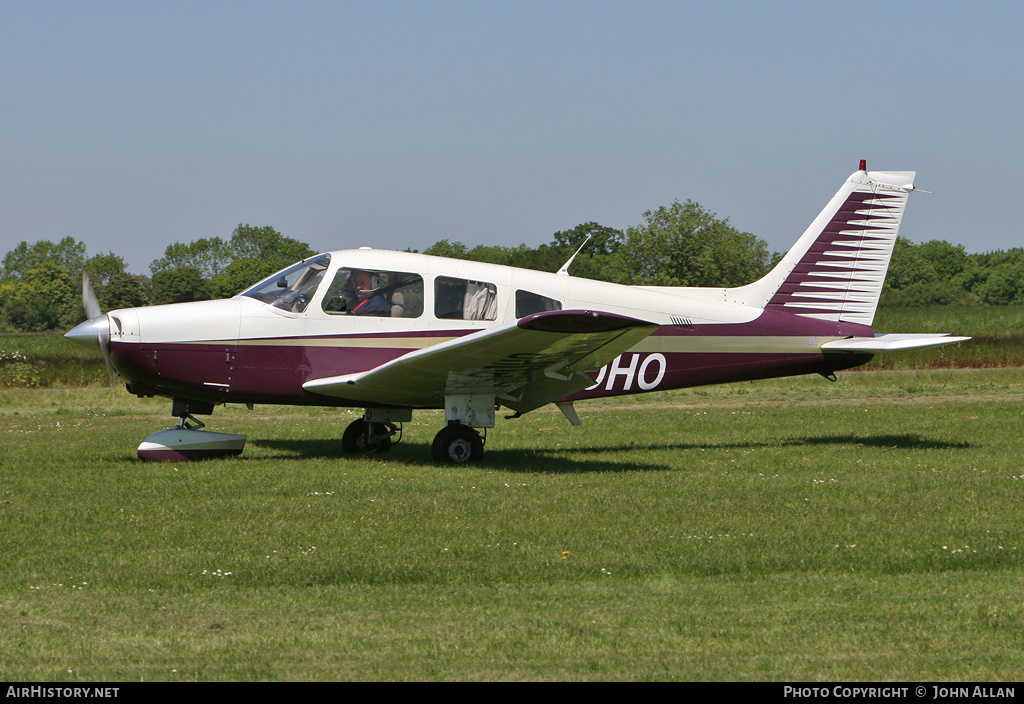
(891, 343)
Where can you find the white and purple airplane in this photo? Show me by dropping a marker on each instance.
(392, 332)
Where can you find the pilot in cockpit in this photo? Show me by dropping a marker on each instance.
(363, 297)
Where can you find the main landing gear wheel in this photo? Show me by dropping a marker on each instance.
(457, 443)
(368, 438)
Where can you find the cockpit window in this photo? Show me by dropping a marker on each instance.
(291, 289)
(384, 294)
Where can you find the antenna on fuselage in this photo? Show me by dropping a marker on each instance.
(564, 271)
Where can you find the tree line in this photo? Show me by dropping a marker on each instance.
(679, 245)
(40, 283)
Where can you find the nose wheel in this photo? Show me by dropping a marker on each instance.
(457, 443)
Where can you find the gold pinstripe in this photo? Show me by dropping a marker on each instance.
(770, 344)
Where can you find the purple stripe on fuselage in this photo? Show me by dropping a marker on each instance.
(274, 373)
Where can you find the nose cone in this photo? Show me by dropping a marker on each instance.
(88, 334)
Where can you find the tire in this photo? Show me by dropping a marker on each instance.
(457, 444)
(355, 438)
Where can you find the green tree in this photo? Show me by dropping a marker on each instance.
(543, 258)
(972, 275)
(208, 256)
(69, 254)
(122, 291)
(1004, 284)
(604, 241)
(248, 242)
(687, 245)
(178, 286)
(214, 259)
(492, 254)
(44, 299)
(224, 267)
(101, 268)
(947, 260)
(939, 273)
(444, 248)
(907, 266)
(243, 273)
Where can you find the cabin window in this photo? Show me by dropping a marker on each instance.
(460, 299)
(291, 289)
(372, 292)
(529, 303)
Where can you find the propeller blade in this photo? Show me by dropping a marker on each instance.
(92, 309)
(89, 300)
(104, 342)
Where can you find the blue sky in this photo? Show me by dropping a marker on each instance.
(131, 125)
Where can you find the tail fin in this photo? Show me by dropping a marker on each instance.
(836, 269)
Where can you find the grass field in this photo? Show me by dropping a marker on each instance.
(780, 530)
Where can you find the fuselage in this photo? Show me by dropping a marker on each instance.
(303, 324)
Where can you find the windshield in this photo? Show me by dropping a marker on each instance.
(291, 289)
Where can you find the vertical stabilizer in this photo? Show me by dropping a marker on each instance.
(837, 267)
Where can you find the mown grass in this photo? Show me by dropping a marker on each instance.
(780, 530)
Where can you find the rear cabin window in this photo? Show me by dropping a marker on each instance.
(460, 299)
(529, 303)
(371, 292)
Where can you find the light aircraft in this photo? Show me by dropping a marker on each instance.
(393, 332)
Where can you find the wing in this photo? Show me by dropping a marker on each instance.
(890, 343)
(526, 364)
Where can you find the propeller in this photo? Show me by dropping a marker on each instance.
(89, 300)
(95, 330)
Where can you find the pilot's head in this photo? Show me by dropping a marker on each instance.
(362, 282)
